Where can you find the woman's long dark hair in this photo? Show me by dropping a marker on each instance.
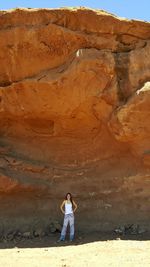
(71, 199)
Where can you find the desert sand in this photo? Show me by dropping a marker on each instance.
(110, 253)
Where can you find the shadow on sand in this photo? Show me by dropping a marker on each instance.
(81, 238)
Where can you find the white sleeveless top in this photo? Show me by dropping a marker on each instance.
(68, 208)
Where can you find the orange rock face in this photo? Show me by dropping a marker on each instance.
(74, 116)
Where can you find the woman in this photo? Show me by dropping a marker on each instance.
(70, 208)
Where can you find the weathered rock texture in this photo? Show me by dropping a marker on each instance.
(74, 116)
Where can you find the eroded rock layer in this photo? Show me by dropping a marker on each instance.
(74, 116)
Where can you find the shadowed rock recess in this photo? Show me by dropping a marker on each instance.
(74, 116)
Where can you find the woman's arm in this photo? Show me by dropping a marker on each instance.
(61, 207)
(75, 206)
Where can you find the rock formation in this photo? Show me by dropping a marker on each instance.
(74, 116)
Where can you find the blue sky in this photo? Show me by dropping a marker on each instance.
(136, 9)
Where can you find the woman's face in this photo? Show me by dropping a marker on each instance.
(68, 197)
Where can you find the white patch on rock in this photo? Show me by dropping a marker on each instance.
(145, 88)
(79, 53)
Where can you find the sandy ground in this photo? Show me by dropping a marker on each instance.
(82, 252)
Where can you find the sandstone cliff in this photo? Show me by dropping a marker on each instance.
(74, 116)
